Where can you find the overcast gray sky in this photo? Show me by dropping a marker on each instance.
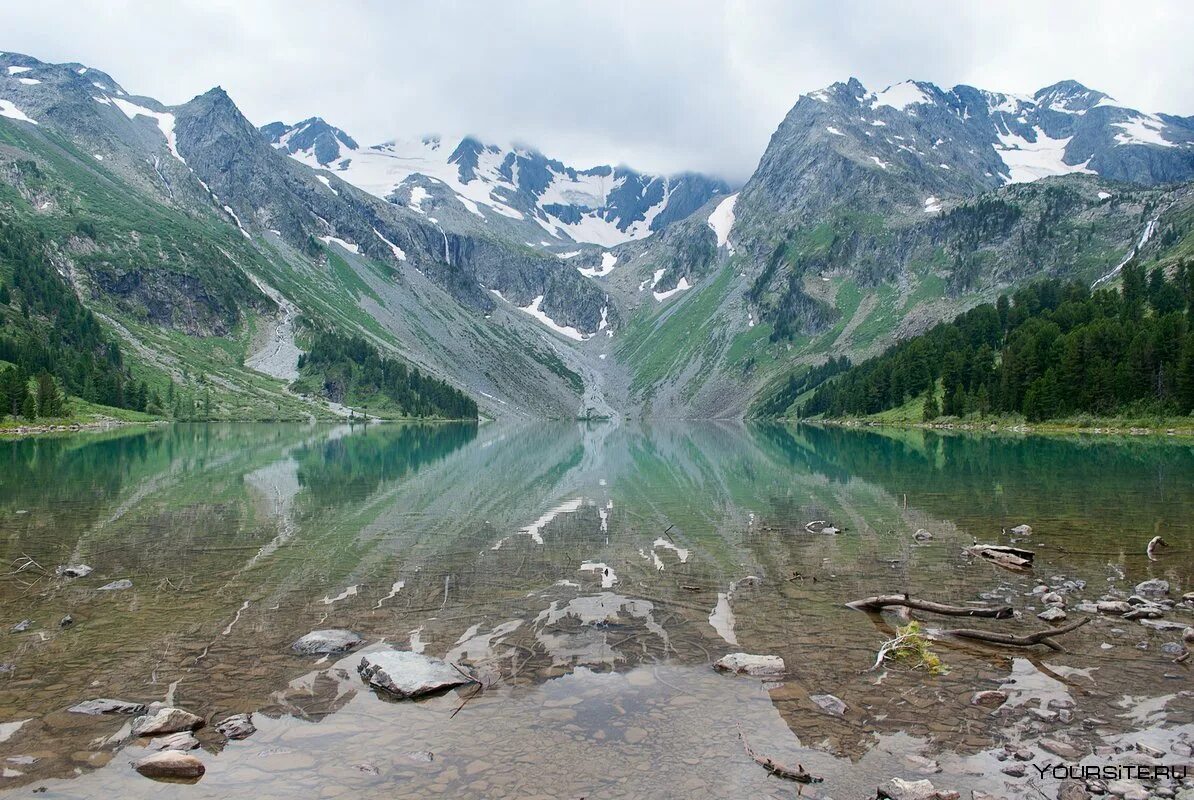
(659, 85)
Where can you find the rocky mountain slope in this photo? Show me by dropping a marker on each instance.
(217, 250)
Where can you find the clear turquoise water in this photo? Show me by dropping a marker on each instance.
(590, 574)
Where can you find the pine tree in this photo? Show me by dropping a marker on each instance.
(931, 412)
(1133, 290)
(49, 399)
(29, 406)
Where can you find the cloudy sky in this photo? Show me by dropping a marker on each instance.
(660, 85)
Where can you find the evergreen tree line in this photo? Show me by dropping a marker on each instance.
(1051, 350)
(51, 337)
(351, 370)
(798, 384)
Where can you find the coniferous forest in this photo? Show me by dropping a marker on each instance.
(1051, 350)
(350, 370)
(50, 344)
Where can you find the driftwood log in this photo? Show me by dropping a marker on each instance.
(1013, 558)
(1041, 637)
(882, 601)
(779, 770)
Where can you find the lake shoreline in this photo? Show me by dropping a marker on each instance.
(1024, 428)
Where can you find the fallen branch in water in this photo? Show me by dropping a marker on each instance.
(1041, 637)
(913, 646)
(780, 771)
(884, 600)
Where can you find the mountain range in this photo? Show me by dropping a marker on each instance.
(215, 250)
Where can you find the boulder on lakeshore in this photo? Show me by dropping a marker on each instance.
(170, 764)
(749, 664)
(403, 674)
(166, 720)
(324, 642)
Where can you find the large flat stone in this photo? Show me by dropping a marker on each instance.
(404, 674)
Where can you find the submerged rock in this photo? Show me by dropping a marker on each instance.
(170, 764)
(1053, 599)
(900, 789)
(104, 705)
(1052, 614)
(829, 703)
(166, 720)
(1062, 749)
(1188, 635)
(238, 726)
(991, 698)
(66, 621)
(922, 535)
(74, 571)
(1071, 789)
(1021, 530)
(748, 664)
(22, 626)
(404, 674)
(123, 583)
(326, 641)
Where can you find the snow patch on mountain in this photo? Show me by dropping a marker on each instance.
(900, 96)
(1028, 161)
(164, 119)
(10, 110)
(722, 221)
(1144, 129)
(681, 286)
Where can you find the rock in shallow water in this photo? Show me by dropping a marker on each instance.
(1052, 614)
(326, 641)
(900, 789)
(1153, 588)
(991, 698)
(166, 720)
(182, 740)
(238, 726)
(74, 571)
(748, 664)
(829, 703)
(105, 706)
(405, 674)
(170, 764)
(123, 583)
